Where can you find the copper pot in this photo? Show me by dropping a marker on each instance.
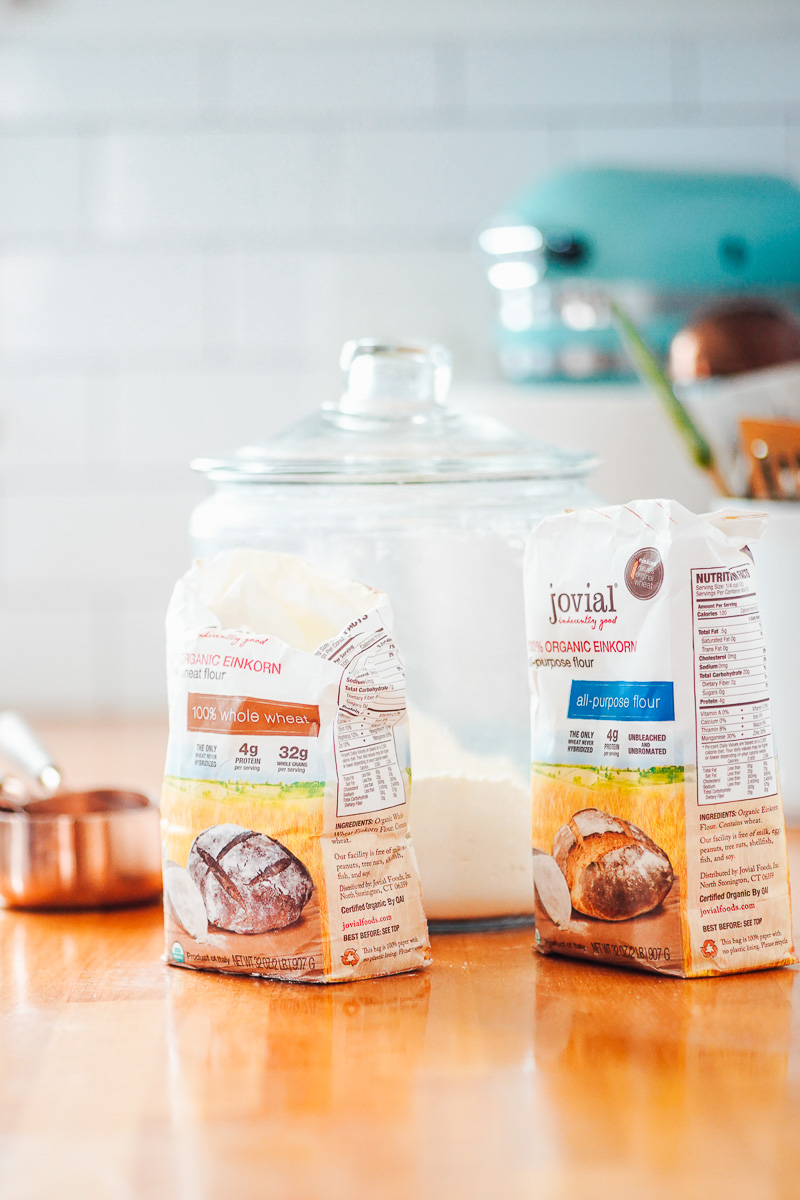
(65, 849)
(732, 338)
(80, 850)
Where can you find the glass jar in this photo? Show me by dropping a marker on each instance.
(391, 486)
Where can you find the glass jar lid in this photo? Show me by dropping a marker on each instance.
(392, 425)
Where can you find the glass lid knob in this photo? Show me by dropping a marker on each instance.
(393, 382)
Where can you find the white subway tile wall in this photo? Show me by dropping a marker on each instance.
(78, 82)
(329, 79)
(40, 184)
(199, 203)
(548, 73)
(760, 71)
(432, 184)
(190, 185)
(259, 301)
(724, 146)
(97, 302)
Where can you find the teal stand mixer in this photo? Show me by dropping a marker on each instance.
(661, 243)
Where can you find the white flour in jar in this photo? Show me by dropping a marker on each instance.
(470, 821)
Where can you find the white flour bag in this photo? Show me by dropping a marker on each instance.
(285, 799)
(658, 830)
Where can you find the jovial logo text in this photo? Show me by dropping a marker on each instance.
(565, 604)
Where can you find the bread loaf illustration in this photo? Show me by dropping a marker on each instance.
(614, 871)
(249, 882)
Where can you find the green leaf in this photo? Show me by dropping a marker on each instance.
(652, 373)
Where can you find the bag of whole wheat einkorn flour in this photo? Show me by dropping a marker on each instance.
(285, 797)
(658, 831)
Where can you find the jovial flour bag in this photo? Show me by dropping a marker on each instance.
(658, 833)
(285, 798)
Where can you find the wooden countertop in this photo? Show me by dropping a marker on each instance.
(498, 1073)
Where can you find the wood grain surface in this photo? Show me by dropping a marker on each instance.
(498, 1073)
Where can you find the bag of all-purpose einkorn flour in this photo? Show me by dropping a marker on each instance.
(285, 797)
(658, 832)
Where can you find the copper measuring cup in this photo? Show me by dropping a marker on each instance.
(62, 849)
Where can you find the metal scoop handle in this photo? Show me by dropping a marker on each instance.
(20, 745)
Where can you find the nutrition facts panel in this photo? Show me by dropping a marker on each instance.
(735, 755)
(370, 773)
(371, 704)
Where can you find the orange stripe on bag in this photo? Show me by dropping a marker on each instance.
(245, 714)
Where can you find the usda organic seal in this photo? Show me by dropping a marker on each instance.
(178, 955)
